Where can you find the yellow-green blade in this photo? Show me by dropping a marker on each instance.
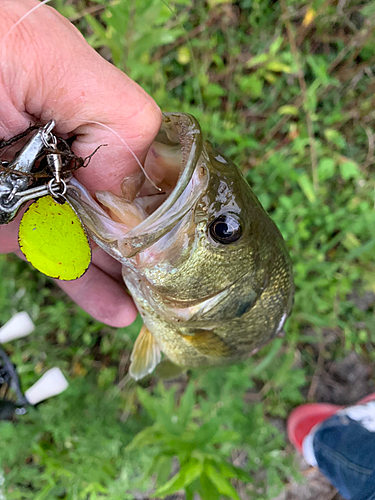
(53, 240)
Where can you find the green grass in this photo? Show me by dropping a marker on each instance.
(292, 104)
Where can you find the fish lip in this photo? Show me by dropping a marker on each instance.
(177, 128)
(159, 222)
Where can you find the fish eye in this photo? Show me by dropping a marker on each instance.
(225, 229)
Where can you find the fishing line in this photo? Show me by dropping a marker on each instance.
(84, 122)
(129, 149)
(20, 20)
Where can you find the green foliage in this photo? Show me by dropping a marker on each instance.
(288, 96)
(131, 31)
(203, 433)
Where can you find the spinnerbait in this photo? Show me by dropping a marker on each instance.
(51, 235)
(15, 177)
(16, 403)
(13, 400)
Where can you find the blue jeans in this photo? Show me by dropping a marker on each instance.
(345, 452)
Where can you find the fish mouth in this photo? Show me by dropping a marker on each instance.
(179, 133)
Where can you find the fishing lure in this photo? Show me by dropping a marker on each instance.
(10, 404)
(51, 235)
(13, 401)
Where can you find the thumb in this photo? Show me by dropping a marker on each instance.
(81, 91)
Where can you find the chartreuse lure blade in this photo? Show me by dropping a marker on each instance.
(53, 240)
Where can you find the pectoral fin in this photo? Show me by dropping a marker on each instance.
(209, 344)
(145, 356)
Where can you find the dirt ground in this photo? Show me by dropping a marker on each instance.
(315, 486)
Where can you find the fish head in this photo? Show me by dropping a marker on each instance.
(208, 256)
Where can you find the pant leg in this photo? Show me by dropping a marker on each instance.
(345, 452)
(368, 490)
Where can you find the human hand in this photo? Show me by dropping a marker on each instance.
(49, 71)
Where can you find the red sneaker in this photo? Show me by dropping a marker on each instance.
(305, 417)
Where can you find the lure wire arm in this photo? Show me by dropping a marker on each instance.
(24, 196)
(14, 189)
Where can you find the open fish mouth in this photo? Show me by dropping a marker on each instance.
(174, 179)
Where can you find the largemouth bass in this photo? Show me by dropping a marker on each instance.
(206, 266)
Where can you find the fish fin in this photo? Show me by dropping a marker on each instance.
(209, 344)
(168, 370)
(145, 356)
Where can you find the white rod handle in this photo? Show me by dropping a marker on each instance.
(17, 327)
(50, 384)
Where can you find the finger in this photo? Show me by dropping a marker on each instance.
(9, 234)
(107, 264)
(73, 84)
(102, 297)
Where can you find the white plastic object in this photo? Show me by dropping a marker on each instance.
(50, 384)
(20, 325)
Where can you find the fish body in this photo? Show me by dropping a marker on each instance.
(208, 268)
